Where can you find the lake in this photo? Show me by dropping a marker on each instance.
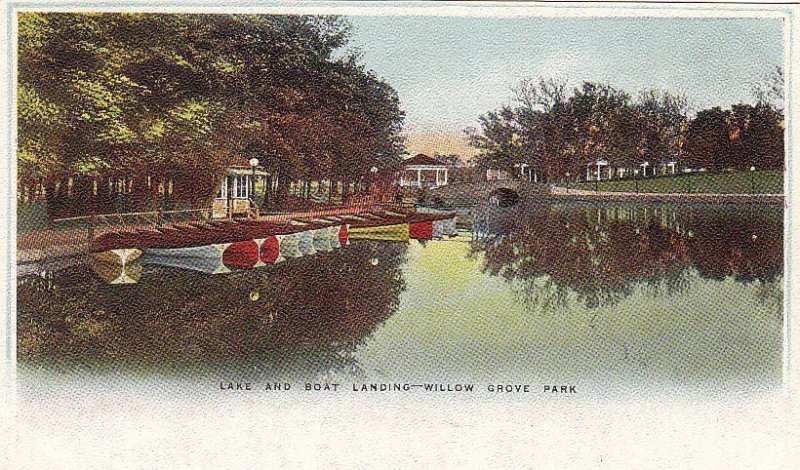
(609, 297)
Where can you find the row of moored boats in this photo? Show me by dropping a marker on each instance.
(216, 247)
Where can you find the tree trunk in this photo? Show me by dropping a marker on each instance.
(282, 191)
(267, 188)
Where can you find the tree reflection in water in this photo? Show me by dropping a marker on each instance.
(306, 316)
(598, 255)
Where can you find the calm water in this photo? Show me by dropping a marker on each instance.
(604, 297)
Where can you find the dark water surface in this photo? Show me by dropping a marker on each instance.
(600, 296)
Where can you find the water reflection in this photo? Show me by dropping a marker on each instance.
(309, 315)
(602, 254)
(641, 295)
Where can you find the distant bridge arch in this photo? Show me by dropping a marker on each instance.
(502, 192)
(504, 197)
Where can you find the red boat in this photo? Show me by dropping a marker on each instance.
(242, 254)
(421, 230)
(270, 251)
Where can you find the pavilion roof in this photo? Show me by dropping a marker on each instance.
(423, 160)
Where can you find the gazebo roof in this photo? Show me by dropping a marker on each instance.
(421, 159)
(241, 162)
(241, 166)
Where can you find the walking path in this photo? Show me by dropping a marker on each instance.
(746, 198)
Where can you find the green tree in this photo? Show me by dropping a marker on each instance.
(758, 137)
(708, 142)
(183, 96)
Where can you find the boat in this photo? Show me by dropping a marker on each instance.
(337, 235)
(333, 236)
(217, 246)
(269, 250)
(393, 232)
(241, 254)
(445, 227)
(206, 258)
(306, 243)
(120, 266)
(421, 230)
(321, 237)
(427, 225)
(354, 218)
(290, 245)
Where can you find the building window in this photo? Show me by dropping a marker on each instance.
(241, 187)
(223, 189)
(123, 185)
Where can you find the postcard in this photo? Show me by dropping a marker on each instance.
(400, 234)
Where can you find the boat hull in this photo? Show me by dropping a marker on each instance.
(421, 230)
(394, 232)
(322, 240)
(269, 250)
(243, 254)
(445, 228)
(290, 246)
(206, 259)
(121, 266)
(306, 243)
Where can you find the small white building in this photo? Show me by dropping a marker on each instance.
(235, 191)
(422, 171)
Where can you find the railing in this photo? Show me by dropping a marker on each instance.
(98, 224)
(72, 236)
(253, 211)
(423, 185)
(360, 203)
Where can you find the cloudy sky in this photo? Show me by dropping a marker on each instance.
(449, 70)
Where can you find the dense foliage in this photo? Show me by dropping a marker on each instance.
(148, 94)
(558, 131)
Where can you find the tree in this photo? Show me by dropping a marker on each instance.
(558, 132)
(110, 94)
(450, 159)
(770, 90)
(758, 137)
(497, 140)
(708, 139)
(663, 118)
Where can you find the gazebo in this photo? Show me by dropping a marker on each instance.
(237, 187)
(422, 171)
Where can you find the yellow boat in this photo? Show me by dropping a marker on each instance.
(392, 233)
(117, 266)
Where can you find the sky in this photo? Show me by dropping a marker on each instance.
(449, 70)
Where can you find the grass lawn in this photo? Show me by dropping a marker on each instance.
(764, 182)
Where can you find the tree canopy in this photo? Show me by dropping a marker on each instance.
(559, 131)
(123, 93)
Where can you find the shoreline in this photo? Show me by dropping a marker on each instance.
(564, 194)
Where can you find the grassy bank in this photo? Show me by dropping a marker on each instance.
(760, 182)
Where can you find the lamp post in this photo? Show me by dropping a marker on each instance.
(373, 171)
(599, 163)
(636, 179)
(689, 181)
(253, 164)
(752, 180)
(567, 174)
